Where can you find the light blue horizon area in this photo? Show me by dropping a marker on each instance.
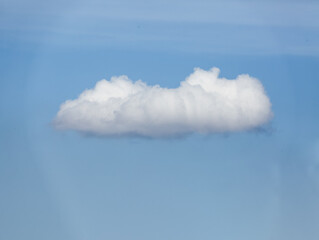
(255, 185)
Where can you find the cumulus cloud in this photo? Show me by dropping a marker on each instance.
(203, 103)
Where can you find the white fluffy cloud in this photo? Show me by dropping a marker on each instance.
(203, 103)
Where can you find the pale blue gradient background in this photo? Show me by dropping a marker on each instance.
(252, 186)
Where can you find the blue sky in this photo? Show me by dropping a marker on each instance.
(248, 185)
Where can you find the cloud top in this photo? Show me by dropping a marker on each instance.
(203, 103)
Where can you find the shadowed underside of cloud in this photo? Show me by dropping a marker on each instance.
(203, 103)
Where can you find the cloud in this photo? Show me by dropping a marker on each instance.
(203, 103)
